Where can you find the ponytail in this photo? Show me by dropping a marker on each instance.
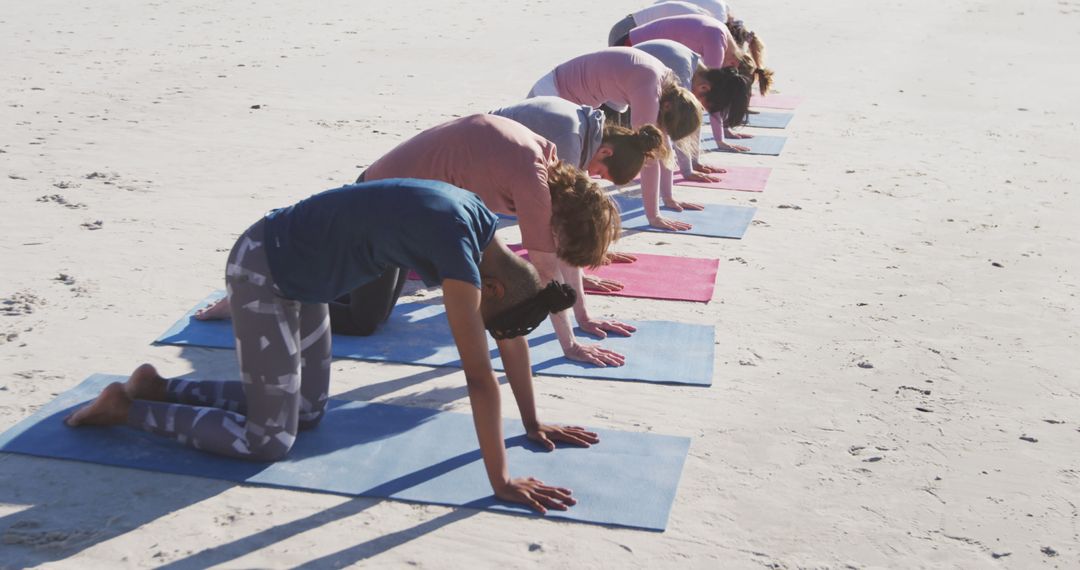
(630, 149)
(764, 79)
(524, 317)
(757, 49)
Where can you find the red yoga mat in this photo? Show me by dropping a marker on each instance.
(663, 277)
(743, 178)
(776, 101)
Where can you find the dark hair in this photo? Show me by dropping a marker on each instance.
(584, 219)
(729, 93)
(523, 317)
(630, 149)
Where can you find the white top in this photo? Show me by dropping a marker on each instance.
(716, 8)
(666, 9)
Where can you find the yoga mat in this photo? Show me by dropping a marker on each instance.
(418, 333)
(759, 144)
(743, 178)
(715, 220)
(395, 452)
(765, 120)
(775, 101)
(769, 120)
(649, 277)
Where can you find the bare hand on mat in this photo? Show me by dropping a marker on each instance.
(534, 493)
(594, 283)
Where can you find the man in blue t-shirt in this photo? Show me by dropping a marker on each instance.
(284, 270)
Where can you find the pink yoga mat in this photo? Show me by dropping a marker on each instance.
(662, 277)
(743, 178)
(654, 277)
(776, 101)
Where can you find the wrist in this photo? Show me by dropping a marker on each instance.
(531, 426)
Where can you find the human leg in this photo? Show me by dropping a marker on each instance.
(369, 305)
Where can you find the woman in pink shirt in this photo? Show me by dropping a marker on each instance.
(566, 221)
(623, 78)
(713, 40)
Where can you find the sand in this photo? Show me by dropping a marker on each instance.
(896, 378)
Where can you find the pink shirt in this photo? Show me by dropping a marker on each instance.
(496, 158)
(619, 75)
(708, 37)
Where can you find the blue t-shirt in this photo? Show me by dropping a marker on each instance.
(327, 245)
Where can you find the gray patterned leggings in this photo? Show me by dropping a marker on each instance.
(284, 351)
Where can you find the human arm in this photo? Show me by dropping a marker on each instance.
(462, 301)
(515, 357)
(720, 132)
(648, 100)
(666, 191)
(547, 265)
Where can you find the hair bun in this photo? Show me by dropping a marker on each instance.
(557, 297)
(650, 139)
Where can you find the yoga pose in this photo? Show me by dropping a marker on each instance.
(281, 273)
(723, 92)
(566, 221)
(628, 79)
(662, 9)
(581, 137)
(713, 40)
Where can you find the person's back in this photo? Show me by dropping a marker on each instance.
(681, 60)
(716, 8)
(328, 244)
(666, 10)
(576, 130)
(498, 159)
(705, 36)
(616, 75)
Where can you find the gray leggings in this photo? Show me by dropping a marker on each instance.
(284, 351)
(619, 32)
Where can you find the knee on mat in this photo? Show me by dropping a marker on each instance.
(365, 327)
(273, 450)
(309, 420)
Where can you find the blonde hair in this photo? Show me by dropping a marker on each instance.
(749, 68)
(679, 117)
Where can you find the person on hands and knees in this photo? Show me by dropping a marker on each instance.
(280, 275)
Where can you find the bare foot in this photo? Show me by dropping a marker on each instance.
(216, 312)
(109, 409)
(145, 384)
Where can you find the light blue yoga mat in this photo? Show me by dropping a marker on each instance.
(769, 120)
(759, 144)
(716, 220)
(662, 352)
(395, 452)
(763, 120)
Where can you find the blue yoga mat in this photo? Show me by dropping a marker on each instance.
(418, 333)
(769, 120)
(759, 144)
(763, 120)
(395, 452)
(716, 220)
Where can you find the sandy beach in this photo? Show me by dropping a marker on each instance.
(893, 386)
